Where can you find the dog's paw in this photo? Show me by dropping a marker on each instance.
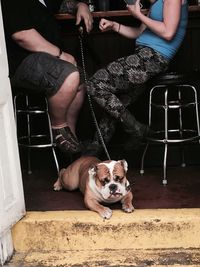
(57, 186)
(128, 208)
(106, 213)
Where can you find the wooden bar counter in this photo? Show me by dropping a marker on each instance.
(116, 13)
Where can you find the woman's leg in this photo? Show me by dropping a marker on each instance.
(107, 124)
(105, 85)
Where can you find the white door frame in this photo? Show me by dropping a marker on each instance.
(12, 206)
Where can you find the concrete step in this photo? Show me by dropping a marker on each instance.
(159, 237)
(109, 258)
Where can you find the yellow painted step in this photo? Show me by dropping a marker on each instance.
(70, 231)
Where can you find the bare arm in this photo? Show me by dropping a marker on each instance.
(171, 16)
(33, 41)
(127, 31)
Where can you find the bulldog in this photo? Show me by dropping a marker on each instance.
(99, 181)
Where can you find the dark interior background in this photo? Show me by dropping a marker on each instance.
(102, 48)
(183, 187)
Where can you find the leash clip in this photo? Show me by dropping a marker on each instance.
(81, 30)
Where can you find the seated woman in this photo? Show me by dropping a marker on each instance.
(157, 40)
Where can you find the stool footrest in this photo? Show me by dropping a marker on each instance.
(175, 139)
(174, 105)
(32, 112)
(171, 141)
(34, 141)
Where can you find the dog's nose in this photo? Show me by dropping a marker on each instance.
(113, 188)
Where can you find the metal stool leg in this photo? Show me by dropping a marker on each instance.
(28, 127)
(147, 145)
(28, 134)
(143, 157)
(51, 138)
(166, 138)
(164, 181)
(196, 111)
(181, 128)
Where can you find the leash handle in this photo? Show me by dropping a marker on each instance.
(81, 33)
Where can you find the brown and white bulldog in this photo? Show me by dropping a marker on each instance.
(99, 181)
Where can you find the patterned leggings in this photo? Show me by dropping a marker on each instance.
(116, 86)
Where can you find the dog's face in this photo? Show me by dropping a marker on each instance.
(108, 178)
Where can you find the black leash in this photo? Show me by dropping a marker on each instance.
(81, 31)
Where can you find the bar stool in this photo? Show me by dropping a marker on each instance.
(29, 109)
(175, 93)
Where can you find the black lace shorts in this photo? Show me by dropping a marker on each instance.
(42, 73)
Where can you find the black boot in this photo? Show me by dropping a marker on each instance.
(107, 127)
(137, 131)
(134, 142)
(132, 126)
(91, 148)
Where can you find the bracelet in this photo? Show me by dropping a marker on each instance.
(119, 28)
(60, 53)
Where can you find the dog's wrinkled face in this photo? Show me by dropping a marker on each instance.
(110, 180)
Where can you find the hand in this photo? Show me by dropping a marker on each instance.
(84, 13)
(135, 9)
(67, 57)
(106, 25)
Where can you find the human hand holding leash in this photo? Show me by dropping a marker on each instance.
(84, 14)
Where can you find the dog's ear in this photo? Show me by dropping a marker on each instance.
(124, 164)
(92, 170)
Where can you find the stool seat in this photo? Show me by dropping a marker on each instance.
(168, 97)
(29, 109)
(174, 78)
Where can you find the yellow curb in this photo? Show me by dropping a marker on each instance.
(115, 258)
(86, 231)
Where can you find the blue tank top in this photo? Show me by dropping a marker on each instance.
(164, 47)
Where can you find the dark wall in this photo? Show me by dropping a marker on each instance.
(188, 56)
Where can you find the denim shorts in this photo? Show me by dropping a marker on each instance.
(42, 73)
